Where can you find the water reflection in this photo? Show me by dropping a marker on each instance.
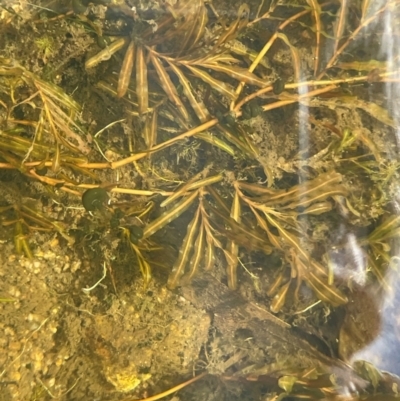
(370, 330)
(381, 312)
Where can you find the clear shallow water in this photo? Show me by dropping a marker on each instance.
(298, 194)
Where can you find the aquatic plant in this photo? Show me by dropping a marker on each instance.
(195, 84)
(239, 143)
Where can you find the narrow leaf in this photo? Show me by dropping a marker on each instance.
(169, 215)
(219, 86)
(197, 105)
(184, 252)
(340, 24)
(168, 86)
(142, 89)
(126, 70)
(241, 74)
(316, 10)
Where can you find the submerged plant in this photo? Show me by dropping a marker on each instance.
(178, 140)
(183, 74)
